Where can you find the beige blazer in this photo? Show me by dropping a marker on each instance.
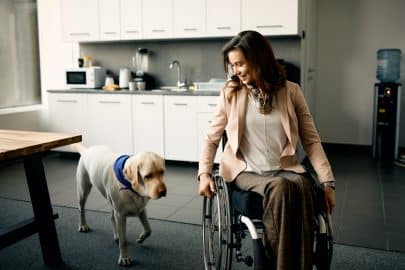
(297, 123)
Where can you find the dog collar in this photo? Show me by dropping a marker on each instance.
(119, 172)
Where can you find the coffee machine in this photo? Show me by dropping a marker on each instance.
(140, 62)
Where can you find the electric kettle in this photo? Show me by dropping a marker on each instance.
(125, 77)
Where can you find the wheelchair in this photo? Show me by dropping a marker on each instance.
(232, 213)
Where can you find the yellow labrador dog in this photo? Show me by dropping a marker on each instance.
(127, 182)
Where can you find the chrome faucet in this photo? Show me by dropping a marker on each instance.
(180, 84)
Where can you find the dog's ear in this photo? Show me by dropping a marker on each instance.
(131, 170)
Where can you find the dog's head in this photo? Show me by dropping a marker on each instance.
(145, 171)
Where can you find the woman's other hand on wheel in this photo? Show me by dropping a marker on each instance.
(329, 199)
(207, 186)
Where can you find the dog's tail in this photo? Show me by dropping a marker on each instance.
(78, 147)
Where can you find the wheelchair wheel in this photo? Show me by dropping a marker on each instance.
(217, 235)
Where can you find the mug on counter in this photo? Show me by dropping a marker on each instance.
(140, 86)
(132, 86)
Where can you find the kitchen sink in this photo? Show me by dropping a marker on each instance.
(173, 89)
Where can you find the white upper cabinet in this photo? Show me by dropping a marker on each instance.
(270, 17)
(80, 20)
(109, 19)
(100, 20)
(131, 19)
(223, 17)
(189, 18)
(157, 17)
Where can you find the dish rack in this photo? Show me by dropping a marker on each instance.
(212, 85)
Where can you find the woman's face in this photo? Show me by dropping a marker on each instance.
(240, 66)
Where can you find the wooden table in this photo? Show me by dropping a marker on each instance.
(30, 146)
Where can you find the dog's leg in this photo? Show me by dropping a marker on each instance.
(146, 227)
(114, 225)
(124, 259)
(83, 189)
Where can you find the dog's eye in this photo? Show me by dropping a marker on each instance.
(148, 176)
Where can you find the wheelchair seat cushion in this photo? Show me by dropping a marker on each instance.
(247, 203)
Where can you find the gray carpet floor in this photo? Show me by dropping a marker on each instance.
(172, 245)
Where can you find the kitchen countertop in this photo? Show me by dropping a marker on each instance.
(126, 92)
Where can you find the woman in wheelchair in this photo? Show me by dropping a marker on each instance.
(264, 116)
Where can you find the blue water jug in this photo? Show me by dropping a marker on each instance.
(388, 65)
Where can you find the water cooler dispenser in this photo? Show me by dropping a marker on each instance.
(386, 121)
(387, 100)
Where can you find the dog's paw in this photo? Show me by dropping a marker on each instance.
(84, 228)
(127, 261)
(143, 236)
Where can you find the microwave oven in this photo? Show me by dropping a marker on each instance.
(85, 77)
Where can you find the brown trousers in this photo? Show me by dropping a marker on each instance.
(287, 218)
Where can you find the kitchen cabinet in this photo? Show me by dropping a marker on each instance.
(157, 17)
(131, 19)
(180, 128)
(80, 20)
(223, 17)
(68, 114)
(109, 19)
(270, 17)
(52, 46)
(205, 113)
(148, 126)
(189, 18)
(100, 20)
(110, 121)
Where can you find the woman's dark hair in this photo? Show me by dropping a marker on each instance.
(267, 73)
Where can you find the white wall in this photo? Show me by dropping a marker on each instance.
(349, 35)
(55, 54)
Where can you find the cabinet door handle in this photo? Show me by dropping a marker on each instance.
(210, 121)
(180, 104)
(147, 102)
(224, 28)
(270, 26)
(79, 34)
(190, 29)
(67, 100)
(132, 31)
(110, 33)
(158, 30)
(212, 104)
(109, 102)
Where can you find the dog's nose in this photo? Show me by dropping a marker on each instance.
(162, 192)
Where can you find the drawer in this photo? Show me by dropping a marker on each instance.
(207, 104)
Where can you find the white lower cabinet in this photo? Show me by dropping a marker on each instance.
(171, 126)
(180, 128)
(204, 121)
(110, 121)
(68, 114)
(205, 113)
(148, 127)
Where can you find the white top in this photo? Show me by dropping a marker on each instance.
(263, 139)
